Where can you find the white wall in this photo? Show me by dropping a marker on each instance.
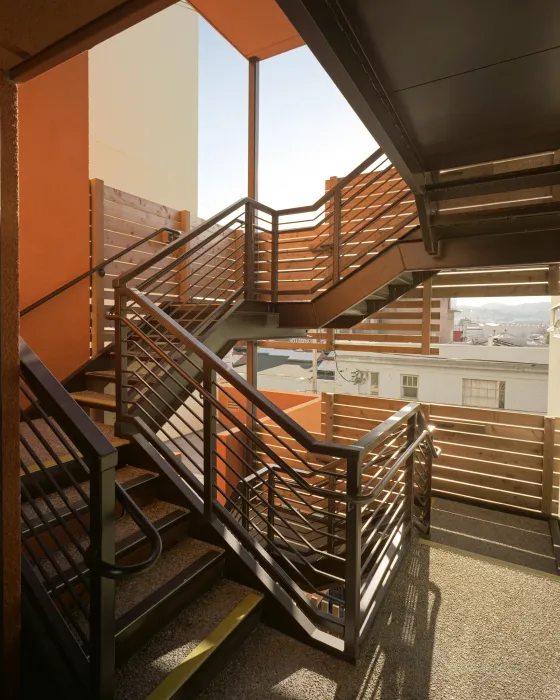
(526, 388)
(144, 109)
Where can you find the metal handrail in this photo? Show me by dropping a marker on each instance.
(181, 238)
(94, 446)
(126, 571)
(185, 238)
(339, 185)
(98, 268)
(282, 419)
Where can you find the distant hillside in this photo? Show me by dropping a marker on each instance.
(496, 312)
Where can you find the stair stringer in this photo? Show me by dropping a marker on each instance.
(408, 256)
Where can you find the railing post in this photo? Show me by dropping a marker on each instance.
(410, 464)
(209, 428)
(270, 509)
(548, 465)
(274, 283)
(249, 257)
(102, 590)
(353, 569)
(337, 233)
(121, 362)
(328, 403)
(429, 465)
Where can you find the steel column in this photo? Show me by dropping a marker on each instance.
(253, 144)
(353, 568)
(10, 547)
(102, 590)
(252, 191)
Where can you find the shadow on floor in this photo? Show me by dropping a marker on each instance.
(395, 663)
(512, 538)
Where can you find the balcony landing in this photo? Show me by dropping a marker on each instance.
(512, 538)
(454, 625)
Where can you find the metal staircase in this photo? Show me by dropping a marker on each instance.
(318, 528)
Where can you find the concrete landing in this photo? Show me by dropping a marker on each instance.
(453, 627)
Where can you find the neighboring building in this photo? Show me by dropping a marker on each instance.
(143, 109)
(516, 381)
(490, 377)
(289, 370)
(480, 333)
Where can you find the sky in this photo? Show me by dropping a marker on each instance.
(308, 132)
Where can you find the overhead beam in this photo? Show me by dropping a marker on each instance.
(534, 248)
(499, 182)
(100, 29)
(543, 216)
(327, 31)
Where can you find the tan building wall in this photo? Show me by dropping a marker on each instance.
(143, 109)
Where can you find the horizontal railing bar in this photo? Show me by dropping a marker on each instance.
(339, 185)
(282, 419)
(371, 439)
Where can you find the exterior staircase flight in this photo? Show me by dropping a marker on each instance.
(217, 489)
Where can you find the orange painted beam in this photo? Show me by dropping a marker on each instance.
(256, 28)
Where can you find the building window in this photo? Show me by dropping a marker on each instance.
(409, 386)
(370, 385)
(325, 374)
(484, 393)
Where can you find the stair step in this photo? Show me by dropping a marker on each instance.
(172, 527)
(133, 479)
(160, 607)
(125, 527)
(95, 399)
(108, 375)
(38, 452)
(193, 647)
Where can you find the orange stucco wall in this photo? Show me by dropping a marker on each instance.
(283, 399)
(54, 210)
(305, 409)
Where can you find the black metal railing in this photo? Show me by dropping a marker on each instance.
(323, 520)
(99, 269)
(69, 496)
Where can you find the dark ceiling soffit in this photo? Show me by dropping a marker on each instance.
(499, 182)
(104, 27)
(343, 59)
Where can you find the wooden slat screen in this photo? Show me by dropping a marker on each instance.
(488, 456)
(120, 219)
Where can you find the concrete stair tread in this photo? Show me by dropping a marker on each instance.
(123, 476)
(168, 649)
(171, 563)
(125, 527)
(39, 452)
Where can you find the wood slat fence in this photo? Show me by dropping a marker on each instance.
(503, 458)
(118, 220)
